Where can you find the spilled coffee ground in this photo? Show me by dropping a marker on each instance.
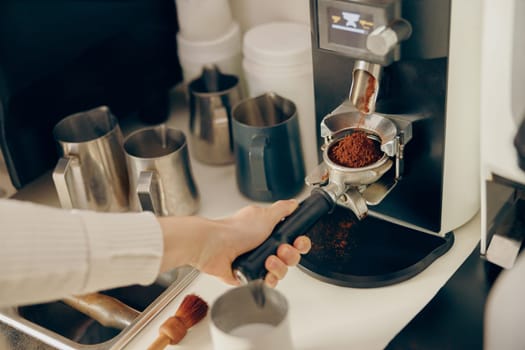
(368, 253)
(330, 236)
(355, 150)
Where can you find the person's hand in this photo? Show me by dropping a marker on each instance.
(247, 229)
(212, 245)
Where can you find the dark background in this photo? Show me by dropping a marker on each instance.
(59, 57)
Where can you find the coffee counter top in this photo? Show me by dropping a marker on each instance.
(322, 316)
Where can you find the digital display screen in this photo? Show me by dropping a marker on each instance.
(348, 28)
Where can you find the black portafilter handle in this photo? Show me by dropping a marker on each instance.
(250, 265)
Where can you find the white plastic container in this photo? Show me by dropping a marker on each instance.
(278, 58)
(224, 51)
(203, 20)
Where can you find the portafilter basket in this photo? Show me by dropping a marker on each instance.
(381, 129)
(346, 184)
(355, 177)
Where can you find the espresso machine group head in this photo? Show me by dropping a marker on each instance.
(403, 72)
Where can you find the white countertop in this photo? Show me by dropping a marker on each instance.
(322, 316)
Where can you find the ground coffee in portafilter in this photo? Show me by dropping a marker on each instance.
(355, 150)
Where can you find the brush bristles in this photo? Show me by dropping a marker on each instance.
(191, 310)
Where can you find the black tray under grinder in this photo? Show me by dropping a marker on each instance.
(369, 253)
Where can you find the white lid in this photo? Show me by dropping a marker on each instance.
(278, 44)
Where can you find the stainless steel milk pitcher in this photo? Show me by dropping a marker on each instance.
(268, 154)
(161, 179)
(91, 174)
(212, 97)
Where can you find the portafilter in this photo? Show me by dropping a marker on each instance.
(335, 184)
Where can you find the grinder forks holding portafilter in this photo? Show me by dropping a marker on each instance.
(335, 184)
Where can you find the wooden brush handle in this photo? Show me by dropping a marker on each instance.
(106, 310)
(170, 332)
(160, 343)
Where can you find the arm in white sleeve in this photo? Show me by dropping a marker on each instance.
(47, 253)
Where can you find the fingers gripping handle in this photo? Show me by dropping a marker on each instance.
(250, 265)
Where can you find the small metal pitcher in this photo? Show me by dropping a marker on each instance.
(211, 99)
(160, 175)
(91, 174)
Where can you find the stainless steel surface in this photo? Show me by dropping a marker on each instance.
(356, 188)
(92, 171)
(69, 183)
(353, 200)
(337, 123)
(267, 109)
(258, 291)
(365, 86)
(57, 326)
(385, 38)
(377, 191)
(212, 97)
(237, 308)
(160, 174)
(106, 310)
(395, 131)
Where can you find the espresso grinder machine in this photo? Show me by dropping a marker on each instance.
(406, 73)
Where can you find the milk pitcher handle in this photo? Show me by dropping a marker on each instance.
(256, 162)
(221, 120)
(148, 191)
(68, 182)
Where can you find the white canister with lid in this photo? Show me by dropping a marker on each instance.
(278, 58)
(224, 52)
(203, 20)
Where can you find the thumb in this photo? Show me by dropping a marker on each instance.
(282, 209)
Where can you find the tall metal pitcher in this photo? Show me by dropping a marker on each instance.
(91, 174)
(212, 97)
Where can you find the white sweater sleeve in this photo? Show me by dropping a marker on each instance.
(47, 253)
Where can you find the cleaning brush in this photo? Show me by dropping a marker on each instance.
(191, 310)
